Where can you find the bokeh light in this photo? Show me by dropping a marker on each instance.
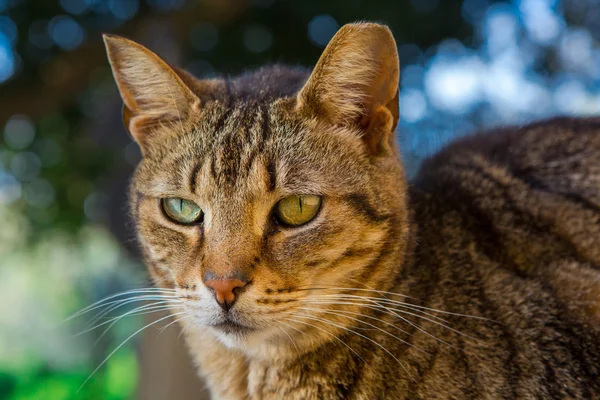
(123, 9)
(7, 58)
(66, 32)
(321, 29)
(257, 38)
(8, 27)
(76, 7)
(19, 132)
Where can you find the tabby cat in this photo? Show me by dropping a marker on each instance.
(274, 207)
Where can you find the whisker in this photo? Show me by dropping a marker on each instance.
(366, 323)
(149, 291)
(141, 310)
(323, 320)
(370, 304)
(379, 306)
(358, 290)
(416, 306)
(179, 336)
(363, 284)
(445, 323)
(372, 299)
(149, 311)
(294, 328)
(432, 321)
(123, 343)
(399, 302)
(171, 323)
(291, 340)
(114, 305)
(336, 338)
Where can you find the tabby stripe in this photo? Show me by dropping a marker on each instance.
(511, 365)
(266, 134)
(542, 228)
(508, 265)
(561, 326)
(271, 171)
(580, 348)
(362, 206)
(249, 161)
(376, 262)
(488, 308)
(421, 283)
(266, 127)
(550, 381)
(218, 129)
(473, 389)
(489, 246)
(410, 330)
(577, 355)
(213, 166)
(160, 273)
(574, 197)
(422, 372)
(251, 140)
(194, 176)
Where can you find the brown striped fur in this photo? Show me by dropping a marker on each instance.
(504, 227)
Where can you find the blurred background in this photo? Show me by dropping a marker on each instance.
(65, 159)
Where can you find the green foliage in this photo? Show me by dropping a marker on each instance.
(117, 381)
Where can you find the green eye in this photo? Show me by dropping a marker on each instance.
(182, 211)
(297, 210)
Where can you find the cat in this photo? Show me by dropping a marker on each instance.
(274, 210)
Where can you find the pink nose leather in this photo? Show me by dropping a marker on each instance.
(223, 289)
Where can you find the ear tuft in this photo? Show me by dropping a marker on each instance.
(355, 81)
(154, 95)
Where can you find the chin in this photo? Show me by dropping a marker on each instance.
(232, 335)
(247, 340)
(239, 340)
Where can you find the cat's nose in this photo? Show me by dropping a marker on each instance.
(224, 290)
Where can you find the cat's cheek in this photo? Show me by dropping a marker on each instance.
(199, 305)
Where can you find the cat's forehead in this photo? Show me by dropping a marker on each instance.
(236, 125)
(247, 147)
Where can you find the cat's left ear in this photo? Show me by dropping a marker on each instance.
(157, 101)
(355, 84)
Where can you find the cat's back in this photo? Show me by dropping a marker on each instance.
(509, 229)
(540, 181)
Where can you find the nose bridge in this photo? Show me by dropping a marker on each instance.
(230, 220)
(230, 251)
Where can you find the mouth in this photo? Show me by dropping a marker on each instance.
(232, 327)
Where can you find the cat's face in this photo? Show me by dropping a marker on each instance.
(256, 209)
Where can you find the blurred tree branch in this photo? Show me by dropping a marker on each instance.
(66, 75)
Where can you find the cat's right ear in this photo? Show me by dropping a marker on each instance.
(156, 100)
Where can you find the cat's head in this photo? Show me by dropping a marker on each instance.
(260, 197)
